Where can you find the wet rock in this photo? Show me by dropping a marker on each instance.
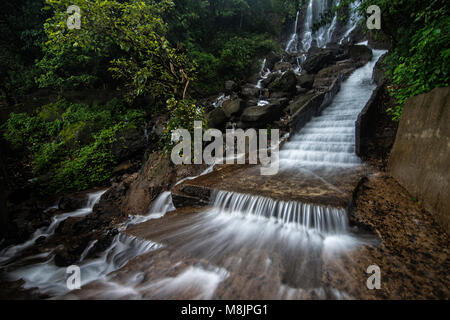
(261, 116)
(249, 91)
(318, 59)
(271, 59)
(379, 75)
(300, 101)
(233, 107)
(280, 94)
(123, 167)
(70, 226)
(216, 118)
(282, 66)
(286, 83)
(266, 82)
(231, 86)
(360, 54)
(40, 240)
(305, 80)
(67, 203)
(135, 195)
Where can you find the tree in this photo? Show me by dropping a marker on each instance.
(128, 39)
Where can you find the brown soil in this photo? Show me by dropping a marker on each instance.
(413, 252)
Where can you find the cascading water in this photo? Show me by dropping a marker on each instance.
(329, 139)
(292, 43)
(240, 235)
(13, 251)
(352, 22)
(291, 214)
(40, 270)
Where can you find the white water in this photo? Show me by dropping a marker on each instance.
(329, 139)
(291, 45)
(352, 23)
(51, 279)
(12, 251)
(291, 214)
(220, 100)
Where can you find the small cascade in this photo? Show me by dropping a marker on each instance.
(220, 100)
(10, 252)
(159, 207)
(352, 22)
(291, 46)
(289, 214)
(307, 35)
(51, 279)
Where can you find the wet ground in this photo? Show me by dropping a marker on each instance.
(406, 243)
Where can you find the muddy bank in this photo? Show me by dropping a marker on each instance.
(413, 249)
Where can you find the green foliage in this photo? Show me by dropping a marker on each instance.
(120, 43)
(183, 113)
(424, 68)
(224, 37)
(71, 143)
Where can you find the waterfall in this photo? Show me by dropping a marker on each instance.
(352, 22)
(290, 214)
(293, 39)
(328, 140)
(307, 28)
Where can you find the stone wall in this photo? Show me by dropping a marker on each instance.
(367, 121)
(420, 158)
(373, 110)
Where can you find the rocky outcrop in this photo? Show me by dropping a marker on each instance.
(158, 174)
(259, 117)
(285, 83)
(420, 156)
(216, 118)
(233, 108)
(318, 59)
(305, 80)
(360, 54)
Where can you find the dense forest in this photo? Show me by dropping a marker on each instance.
(70, 93)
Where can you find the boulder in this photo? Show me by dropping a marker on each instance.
(249, 91)
(231, 86)
(71, 203)
(360, 54)
(271, 59)
(216, 118)
(285, 83)
(305, 80)
(282, 66)
(318, 59)
(260, 116)
(135, 195)
(233, 107)
(270, 78)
